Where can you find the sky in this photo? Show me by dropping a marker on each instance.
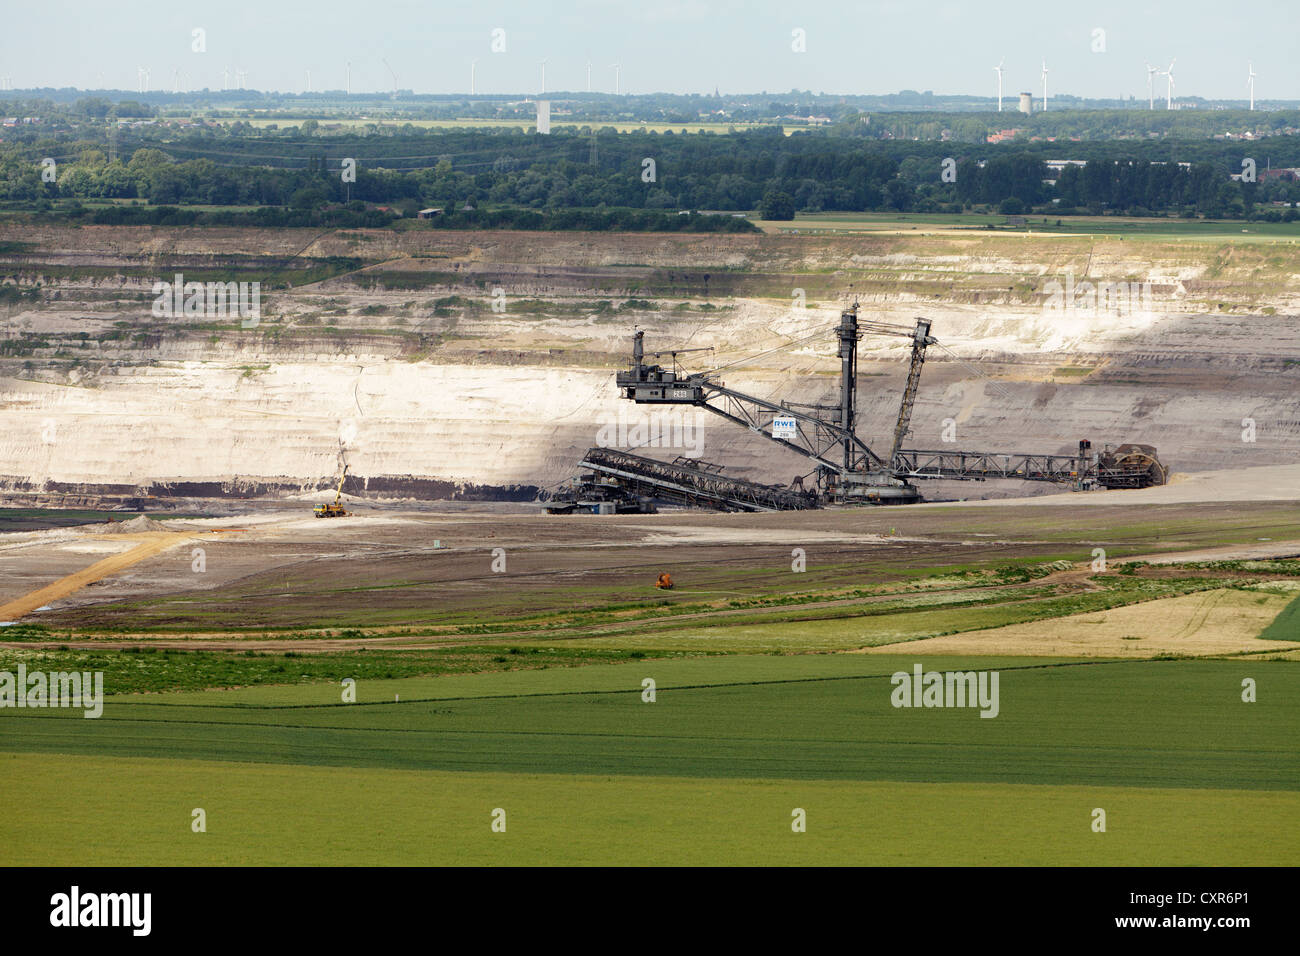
(677, 46)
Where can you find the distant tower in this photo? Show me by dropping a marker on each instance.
(1027, 103)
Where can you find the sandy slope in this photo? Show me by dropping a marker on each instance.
(1212, 622)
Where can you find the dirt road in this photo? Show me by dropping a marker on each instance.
(150, 543)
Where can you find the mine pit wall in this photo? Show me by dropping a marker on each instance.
(178, 495)
(406, 372)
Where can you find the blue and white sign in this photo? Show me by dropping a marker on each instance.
(784, 427)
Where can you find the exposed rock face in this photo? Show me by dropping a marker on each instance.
(405, 360)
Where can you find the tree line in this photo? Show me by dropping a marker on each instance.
(606, 170)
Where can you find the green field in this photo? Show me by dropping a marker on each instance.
(709, 772)
(1207, 230)
(528, 698)
(260, 814)
(1286, 626)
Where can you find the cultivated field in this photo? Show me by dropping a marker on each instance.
(712, 771)
(1113, 227)
(524, 690)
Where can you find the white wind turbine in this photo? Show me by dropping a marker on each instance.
(225, 78)
(1044, 86)
(1151, 100)
(1250, 79)
(588, 76)
(394, 73)
(617, 67)
(544, 62)
(473, 68)
(999, 71)
(1169, 90)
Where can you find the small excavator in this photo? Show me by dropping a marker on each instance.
(334, 509)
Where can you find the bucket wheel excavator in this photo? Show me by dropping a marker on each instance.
(848, 470)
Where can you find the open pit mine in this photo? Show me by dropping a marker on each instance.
(478, 366)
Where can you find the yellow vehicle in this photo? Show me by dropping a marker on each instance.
(334, 509)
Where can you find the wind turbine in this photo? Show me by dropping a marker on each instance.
(176, 80)
(308, 89)
(999, 71)
(1250, 79)
(1044, 86)
(544, 62)
(473, 66)
(349, 83)
(142, 78)
(1169, 91)
(394, 72)
(1151, 71)
(225, 78)
(588, 76)
(616, 67)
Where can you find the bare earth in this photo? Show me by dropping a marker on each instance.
(395, 572)
(1264, 483)
(148, 545)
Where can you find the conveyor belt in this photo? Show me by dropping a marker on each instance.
(691, 485)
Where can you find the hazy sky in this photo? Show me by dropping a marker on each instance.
(949, 46)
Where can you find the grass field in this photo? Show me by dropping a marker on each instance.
(1110, 226)
(1119, 689)
(1286, 626)
(273, 815)
(709, 772)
